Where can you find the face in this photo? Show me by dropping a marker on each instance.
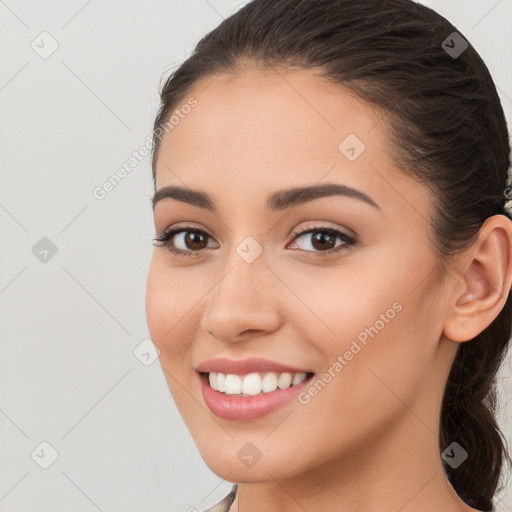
(340, 286)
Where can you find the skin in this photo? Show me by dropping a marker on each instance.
(369, 440)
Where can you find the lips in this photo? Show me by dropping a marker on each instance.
(245, 366)
(244, 407)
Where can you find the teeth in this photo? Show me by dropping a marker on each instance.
(233, 385)
(285, 380)
(298, 378)
(268, 383)
(253, 383)
(221, 382)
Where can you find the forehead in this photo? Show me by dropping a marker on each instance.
(262, 129)
(267, 117)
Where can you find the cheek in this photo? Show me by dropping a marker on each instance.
(156, 298)
(372, 330)
(167, 309)
(334, 305)
(378, 294)
(169, 312)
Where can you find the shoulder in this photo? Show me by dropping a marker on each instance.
(224, 504)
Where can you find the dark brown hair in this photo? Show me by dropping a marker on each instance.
(447, 129)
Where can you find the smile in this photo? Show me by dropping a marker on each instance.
(250, 396)
(253, 383)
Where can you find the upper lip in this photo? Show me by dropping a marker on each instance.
(245, 366)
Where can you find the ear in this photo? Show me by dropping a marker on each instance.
(483, 280)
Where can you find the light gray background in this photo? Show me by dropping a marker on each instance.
(69, 327)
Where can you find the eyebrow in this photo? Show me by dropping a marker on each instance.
(276, 201)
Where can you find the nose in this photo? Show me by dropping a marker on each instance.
(243, 302)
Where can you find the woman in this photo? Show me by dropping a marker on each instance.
(329, 287)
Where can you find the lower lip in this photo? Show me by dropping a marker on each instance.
(233, 407)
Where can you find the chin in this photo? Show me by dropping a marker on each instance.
(229, 468)
(237, 459)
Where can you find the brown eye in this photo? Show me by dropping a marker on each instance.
(195, 240)
(183, 241)
(322, 240)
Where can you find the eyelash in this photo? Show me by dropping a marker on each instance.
(165, 240)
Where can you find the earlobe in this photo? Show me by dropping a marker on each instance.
(484, 277)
